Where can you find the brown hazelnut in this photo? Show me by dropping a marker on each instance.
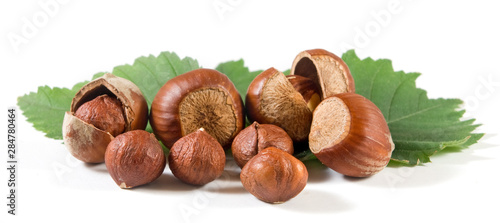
(272, 99)
(350, 135)
(257, 137)
(197, 158)
(135, 158)
(82, 135)
(105, 113)
(201, 98)
(274, 176)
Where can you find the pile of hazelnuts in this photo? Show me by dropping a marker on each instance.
(200, 116)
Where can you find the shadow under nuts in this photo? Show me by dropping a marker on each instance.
(135, 158)
(274, 176)
(257, 137)
(197, 158)
(350, 135)
(100, 110)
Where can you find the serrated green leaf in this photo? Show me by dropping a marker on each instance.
(46, 107)
(420, 126)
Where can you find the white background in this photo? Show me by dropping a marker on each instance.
(454, 44)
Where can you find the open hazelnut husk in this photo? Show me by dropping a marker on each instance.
(349, 134)
(202, 98)
(100, 110)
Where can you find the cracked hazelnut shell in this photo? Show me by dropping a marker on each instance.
(272, 99)
(202, 98)
(274, 176)
(197, 158)
(327, 70)
(134, 158)
(349, 134)
(85, 141)
(257, 137)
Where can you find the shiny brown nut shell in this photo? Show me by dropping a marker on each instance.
(326, 69)
(84, 141)
(201, 98)
(135, 158)
(197, 158)
(274, 176)
(257, 137)
(349, 134)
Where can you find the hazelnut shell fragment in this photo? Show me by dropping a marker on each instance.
(88, 143)
(197, 158)
(272, 99)
(274, 176)
(135, 158)
(257, 137)
(202, 98)
(326, 69)
(349, 134)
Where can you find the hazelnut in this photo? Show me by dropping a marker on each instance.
(105, 113)
(274, 176)
(98, 119)
(257, 137)
(197, 158)
(350, 135)
(201, 98)
(272, 99)
(135, 158)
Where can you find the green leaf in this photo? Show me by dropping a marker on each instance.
(46, 108)
(419, 126)
(238, 74)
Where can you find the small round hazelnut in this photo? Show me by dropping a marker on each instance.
(135, 158)
(257, 137)
(274, 176)
(197, 158)
(349, 134)
(105, 113)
